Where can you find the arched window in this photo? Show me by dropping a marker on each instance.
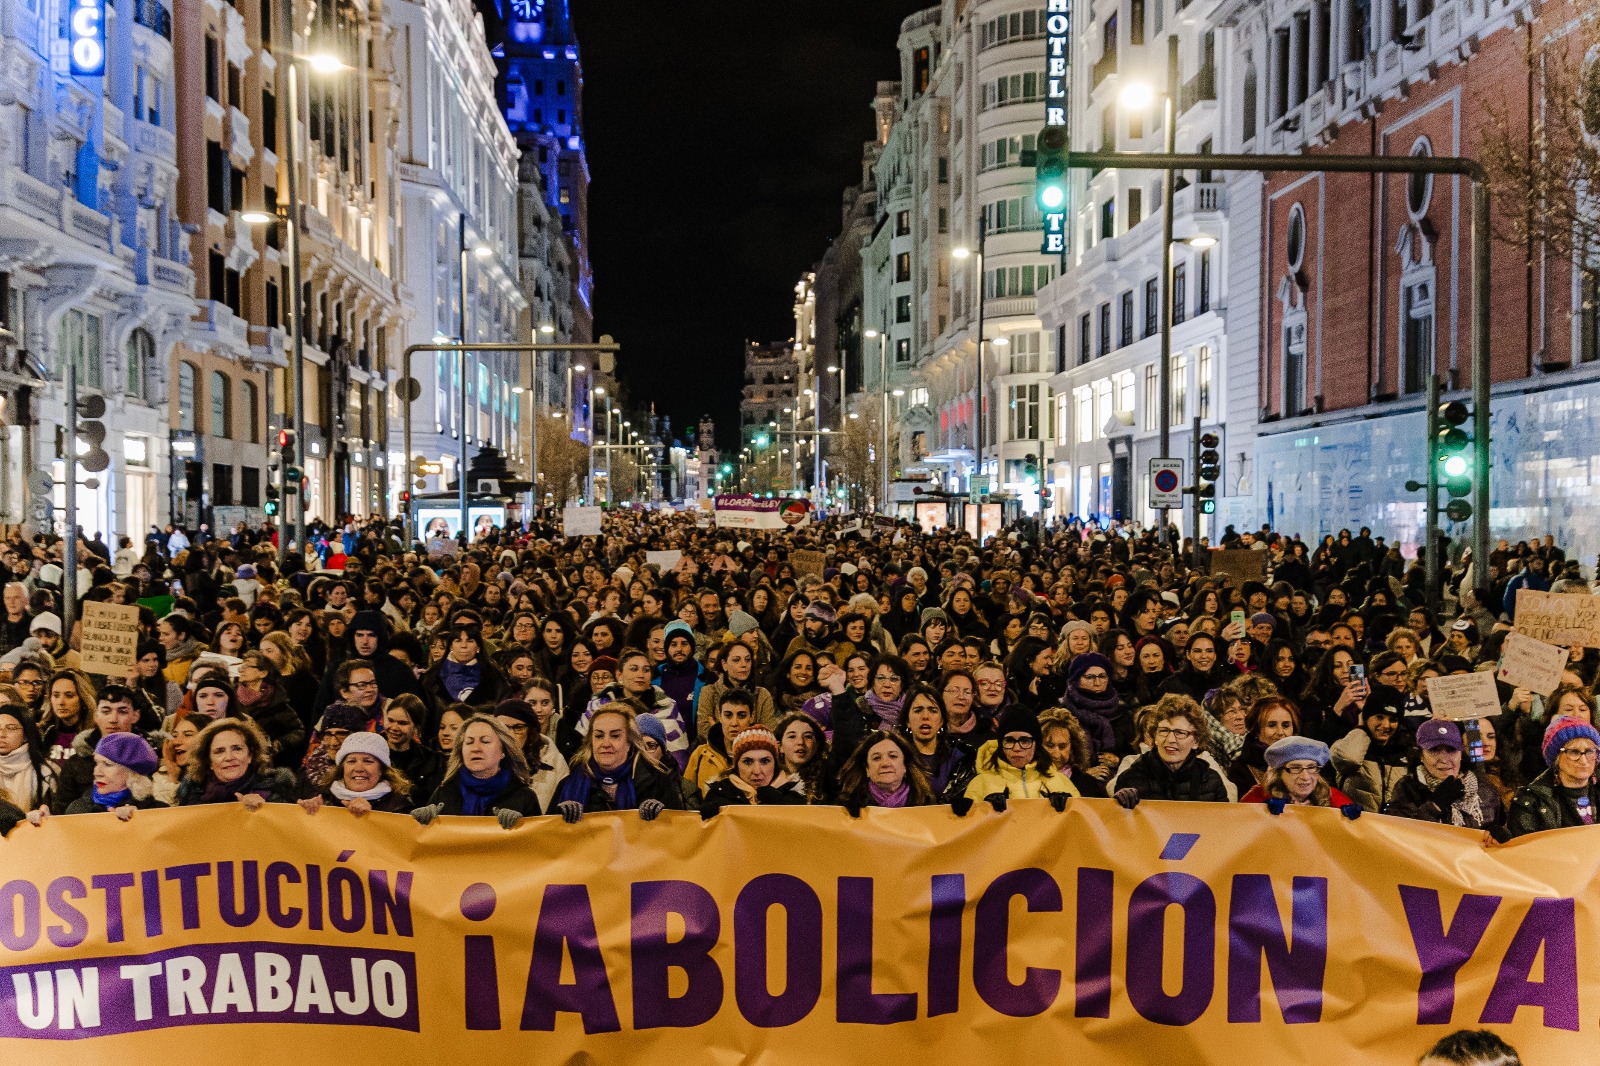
(188, 396)
(221, 420)
(1419, 187)
(141, 359)
(250, 415)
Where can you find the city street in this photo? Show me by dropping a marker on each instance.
(1120, 475)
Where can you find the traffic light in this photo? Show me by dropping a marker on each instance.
(405, 498)
(292, 474)
(270, 507)
(1050, 169)
(1030, 468)
(1207, 471)
(92, 432)
(1451, 448)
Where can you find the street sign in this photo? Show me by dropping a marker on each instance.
(1166, 483)
(979, 489)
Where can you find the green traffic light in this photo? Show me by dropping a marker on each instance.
(1455, 465)
(1052, 196)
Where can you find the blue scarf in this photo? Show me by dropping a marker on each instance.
(478, 792)
(110, 799)
(578, 786)
(459, 677)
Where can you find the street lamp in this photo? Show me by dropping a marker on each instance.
(1139, 96)
(977, 413)
(599, 392)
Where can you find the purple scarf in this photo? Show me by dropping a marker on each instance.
(888, 711)
(898, 798)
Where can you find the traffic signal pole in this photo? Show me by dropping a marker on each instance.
(1457, 166)
(1431, 542)
(1194, 502)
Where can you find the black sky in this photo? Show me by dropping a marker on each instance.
(721, 135)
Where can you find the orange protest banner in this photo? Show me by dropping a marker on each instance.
(1175, 932)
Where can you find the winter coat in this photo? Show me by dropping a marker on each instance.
(1258, 794)
(1248, 768)
(649, 783)
(549, 769)
(683, 684)
(76, 776)
(10, 817)
(423, 767)
(492, 687)
(282, 726)
(275, 785)
(724, 793)
(996, 776)
(661, 706)
(1414, 799)
(393, 803)
(710, 698)
(1196, 780)
(1367, 780)
(514, 797)
(1543, 804)
(708, 762)
(85, 804)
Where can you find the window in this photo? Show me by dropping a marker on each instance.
(1136, 22)
(269, 120)
(1419, 187)
(220, 413)
(1152, 306)
(1180, 292)
(1017, 26)
(1180, 388)
(1016, 89)
(1122, 394)
(1204, 304)
(1016, 281)
(919, 396)
(186, 396)
(1012, 216)
(1588, 315)
(1294, 241)
(250, 412)
(79, 337)
(1202, 375)
(902, 309)
(1060, 434)
(902, 267)
(1108, 219)
(1105, 329)
(1085, 402)
(1005, 152)
(1024, 412)
(213, 79)
(1125, 308)
(1135, 207)
(1152, 397)
(1084, 351)
(249, 486)
(902, 224)
(902, 350)
(141, 358)
(1024, 350)
(1294, 366)
(216, 179)
(1416, 352)
(1102, 405)
(222, 484)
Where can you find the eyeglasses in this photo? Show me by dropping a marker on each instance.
(1581, 753)
(1301, 768)
(1017, 742)
(991, 684)
(31, 683)
(1394, 672)
(363, 684)
(1175, 734)
(1098, 675)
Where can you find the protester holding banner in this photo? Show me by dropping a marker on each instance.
(232, 761)
(1439, 788)
(1294, 778)
(487, 776)
(1173, 768)
(1567, 793)
(364, 779)
(611, 772)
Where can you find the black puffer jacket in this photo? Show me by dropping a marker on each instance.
(724, 793)
(1195, 780)
(1543, 804)
(648, 783)
(515, 797)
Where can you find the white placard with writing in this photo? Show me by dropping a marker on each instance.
(1463, 696)
(1531, 664)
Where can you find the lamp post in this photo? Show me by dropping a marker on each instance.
(594, 393)
(977, 414)
(883, 418)
(288, 214)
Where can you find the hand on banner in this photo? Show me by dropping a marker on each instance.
(125, 812)
(1127, 797)
(358, 807)
(1276, 804)
(252, 801)
(38, 817)
(508, 818)
(571, 811)
(425, 815)
(997, 800)
(1351, 811)
(312, 804)
(650, 808)
(1058, 800)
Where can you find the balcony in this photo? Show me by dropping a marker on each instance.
(1202, 198)
(1198, 89)
(1105, 65)
(153, 16)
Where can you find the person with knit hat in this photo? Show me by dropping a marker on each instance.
(1566, 794)
(1092, 700)
(1294, 776)
(756, 777)
(364, 779)
(612, 772)
(1439, 787)
(680, 675)
(1371, 760)
(115, 713)
(123, 766)
(653, 745)
(1017, 766)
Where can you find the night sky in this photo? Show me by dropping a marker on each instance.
(721, 135)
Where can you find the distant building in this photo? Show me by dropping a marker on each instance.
(771, 375)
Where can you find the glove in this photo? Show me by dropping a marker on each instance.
(508, 818)
(1276, 804)
(707, 813)
(650, 808)
(1449, 790)
(1058, 800)
(997, 800)
(1351, 811)
(854, 809)
(427, 814)
(1127, 797)
(571, 811)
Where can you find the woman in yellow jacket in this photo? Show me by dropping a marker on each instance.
(1016, 766)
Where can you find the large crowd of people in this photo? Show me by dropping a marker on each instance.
(532, 674)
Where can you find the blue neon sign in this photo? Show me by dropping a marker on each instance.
(86, 36)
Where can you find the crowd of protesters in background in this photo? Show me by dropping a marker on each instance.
(528, 673)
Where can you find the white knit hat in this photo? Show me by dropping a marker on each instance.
(366, 744)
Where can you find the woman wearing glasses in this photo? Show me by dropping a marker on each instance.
(1016, 766)
(1174, 769)
(1294, 776)
(1439, 788)
(1565, 794)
